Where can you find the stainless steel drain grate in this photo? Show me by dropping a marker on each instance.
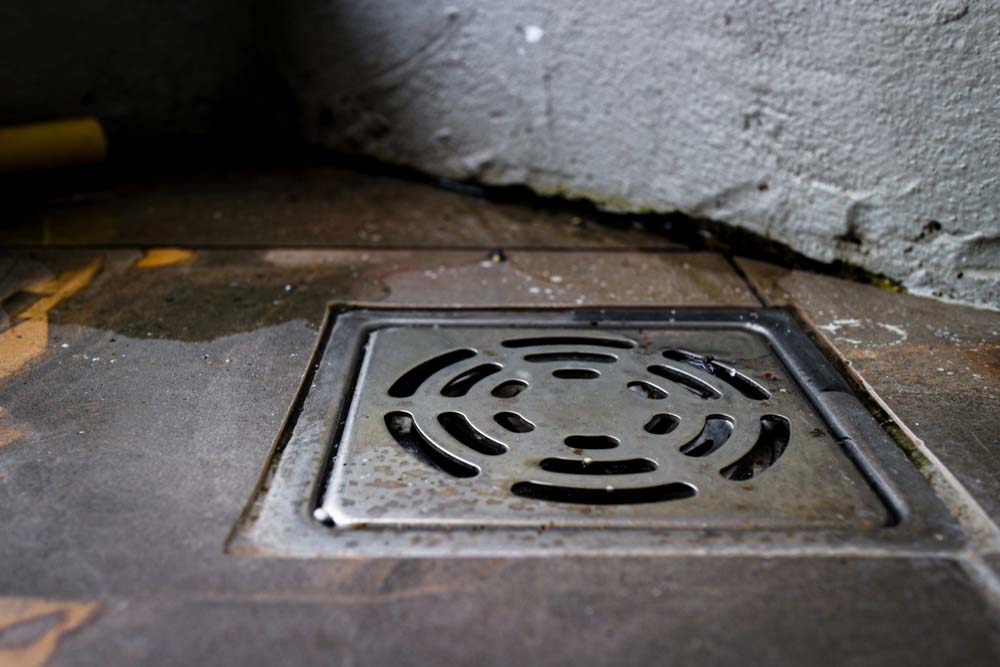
(549, 427)
(465, 430)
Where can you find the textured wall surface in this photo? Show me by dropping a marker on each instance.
(854, 130)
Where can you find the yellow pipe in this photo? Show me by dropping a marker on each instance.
(61, 143)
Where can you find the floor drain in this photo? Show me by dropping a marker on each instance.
(464, 431)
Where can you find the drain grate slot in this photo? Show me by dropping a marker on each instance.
(609, 495)
(568, 340)
(591, 442)
(589, 466)
(576, 374)
(463, 382)
(774, 436)
(409, 382)
(404, 429)
(697, 387)
(661, 424)
(714, 435)
(585, 357)
(513, 422)
(730, 376)
(647, 390)
(509, 389)
(459, 427)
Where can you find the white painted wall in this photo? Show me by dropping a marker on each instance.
(856, 130)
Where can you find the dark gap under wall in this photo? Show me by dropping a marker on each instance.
(153, 157)
(696, 233)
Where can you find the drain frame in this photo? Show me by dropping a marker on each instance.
(281, 517)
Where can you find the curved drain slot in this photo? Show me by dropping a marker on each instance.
(459, 427)
(661, 424)
(647, 390)
(463, 382)
(590, 467)
(697, 387)
(406, 432)
(576, 374)
(586, 357)
(409, 381)
(513, 422)
(606, 496)
(713, 436)
(509, 389)
(591, 442)
(727, 374)
(742, 383)
(569, 340)
(775, 432)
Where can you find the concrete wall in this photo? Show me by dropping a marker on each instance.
(855, 130)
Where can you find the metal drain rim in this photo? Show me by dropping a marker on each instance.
(279, 517)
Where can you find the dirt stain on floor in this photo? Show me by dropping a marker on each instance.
(31, 628)
(164, 257)
(28, 335)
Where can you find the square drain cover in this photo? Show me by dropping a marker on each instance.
(485, 431)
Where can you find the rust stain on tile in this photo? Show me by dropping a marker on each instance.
(21, 343)
(31, 628)
(8, 433)
(164, 257)
(29, 334)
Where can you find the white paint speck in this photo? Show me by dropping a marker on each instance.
(899, 331)
(837, 325)
(533, 34)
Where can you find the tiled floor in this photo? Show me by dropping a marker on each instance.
(138, 406)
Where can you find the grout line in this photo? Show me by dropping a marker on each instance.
(354, 247)
(751, 285)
